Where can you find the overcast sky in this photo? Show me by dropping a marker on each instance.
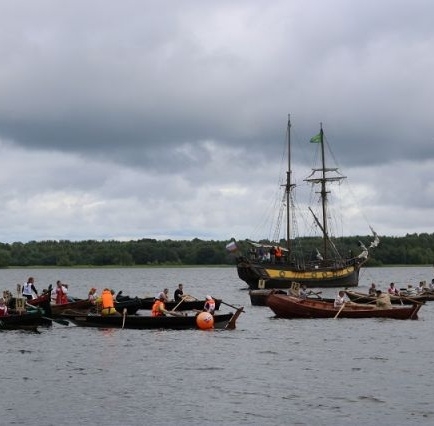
(167, 119)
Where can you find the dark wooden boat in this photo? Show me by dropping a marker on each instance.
(142, 322)
(24, 321)
(293, 307)
(185, 305)
(359, 297)
(328, 268)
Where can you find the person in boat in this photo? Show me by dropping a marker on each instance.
(92, 296)
(159, 308)
(340, 299)
(303, 292)
(421, 288)
(29, 288)
(209, 305)
(3, 308)
(393, 290)
(60, 293)
(278, 254)
(411, 291)
(372, 290)
(383, 300)
(107, 303)
(273, 254)
(179, 292)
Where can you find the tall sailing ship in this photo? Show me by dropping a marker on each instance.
(328, 268)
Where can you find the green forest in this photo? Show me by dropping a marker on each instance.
(413, 249)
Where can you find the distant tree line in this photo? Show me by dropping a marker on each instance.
(413, 249)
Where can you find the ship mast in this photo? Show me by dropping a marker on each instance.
(322, 179)
(323, 194)
(288, 188)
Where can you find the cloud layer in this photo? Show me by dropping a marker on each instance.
(166, 119)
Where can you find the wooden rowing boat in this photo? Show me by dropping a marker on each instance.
(292, 307)
(142, 322)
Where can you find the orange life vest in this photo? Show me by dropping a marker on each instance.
(107, 299)
(157, 308)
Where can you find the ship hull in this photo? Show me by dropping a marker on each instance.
(269, 276)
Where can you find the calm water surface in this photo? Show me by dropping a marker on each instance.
(267, 371)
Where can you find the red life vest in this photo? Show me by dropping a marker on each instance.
(61, 297)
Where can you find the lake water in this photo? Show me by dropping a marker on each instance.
(267, 371)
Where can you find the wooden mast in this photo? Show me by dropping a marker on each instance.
(288, 188)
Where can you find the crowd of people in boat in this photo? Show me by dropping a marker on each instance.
(422, 288)
(104, 301)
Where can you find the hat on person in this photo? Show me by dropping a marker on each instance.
(208, 297)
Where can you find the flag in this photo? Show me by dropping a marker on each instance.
(316, 138)
(231, 246)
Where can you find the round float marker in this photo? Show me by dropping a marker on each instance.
(205, 321)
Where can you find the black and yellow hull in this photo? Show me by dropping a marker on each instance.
(268, 276)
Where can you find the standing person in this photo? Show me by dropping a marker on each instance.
(29, 288)
(273, 254)
(61, 293)
(179, 292)
(278, 254)
(209, 305)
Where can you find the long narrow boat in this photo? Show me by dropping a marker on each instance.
(185, 305)
(358, 297)
(293, 307)
(142, 322)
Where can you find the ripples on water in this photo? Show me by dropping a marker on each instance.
(267, 371)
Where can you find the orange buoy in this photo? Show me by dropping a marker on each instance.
(205, 321)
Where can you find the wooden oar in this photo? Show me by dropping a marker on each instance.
(59, 321)
(418, 302)
(182, 299)
(124, 314)
(175, 313)
(342, 307)
(232, 306)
